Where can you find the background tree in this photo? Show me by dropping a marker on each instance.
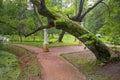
(21, 22)
(111, 28)
(95, 19)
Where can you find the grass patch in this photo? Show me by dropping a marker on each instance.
(87, 66)
(9, 66)
(67, 41)
(51, 44)
(28, 62)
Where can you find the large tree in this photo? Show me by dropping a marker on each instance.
(71, 25)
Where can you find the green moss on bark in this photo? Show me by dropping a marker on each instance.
(100, 50)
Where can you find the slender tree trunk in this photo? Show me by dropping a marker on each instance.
(20, 36)
(61, 36)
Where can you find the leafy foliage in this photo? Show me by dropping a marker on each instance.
(92, 38)
(95, 20)
(112, 26)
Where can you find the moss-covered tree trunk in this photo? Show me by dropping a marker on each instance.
(100, 50)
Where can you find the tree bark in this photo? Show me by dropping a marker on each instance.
(100, 50)
(61, 36)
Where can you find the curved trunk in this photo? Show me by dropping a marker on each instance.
(100, 50)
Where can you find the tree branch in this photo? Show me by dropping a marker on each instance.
(91, 8)
(78, 14)
(80, 8)
(42, 9)
(38, 29)
(37, 16)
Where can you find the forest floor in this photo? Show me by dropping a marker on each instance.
(54, 67)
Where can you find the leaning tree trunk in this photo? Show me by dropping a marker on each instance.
(61, 36)
(100, 50)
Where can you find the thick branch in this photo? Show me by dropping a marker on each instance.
(78, 14)
(80, 8)
(42, 9)
(37, 16)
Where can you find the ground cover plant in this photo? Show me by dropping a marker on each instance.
(9, 66)
(29, 66)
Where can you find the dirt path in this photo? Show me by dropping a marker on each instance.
(55, 67)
